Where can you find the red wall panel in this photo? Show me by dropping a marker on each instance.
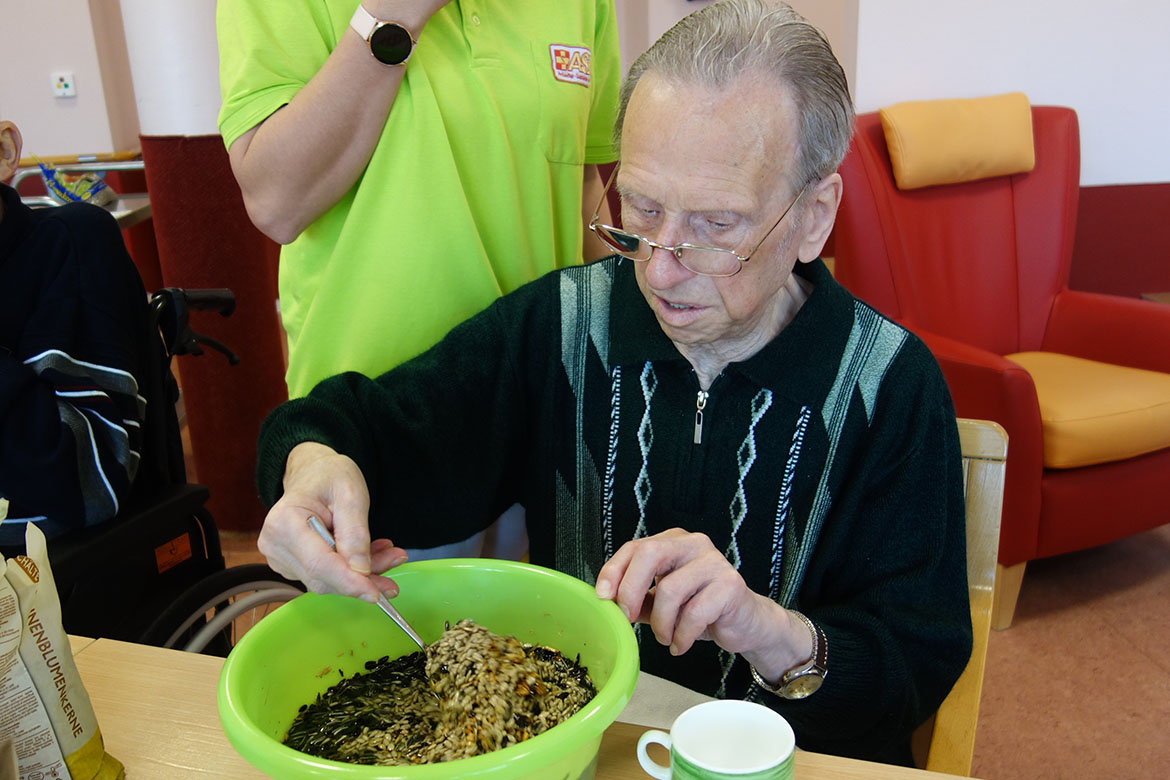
(1123, 240)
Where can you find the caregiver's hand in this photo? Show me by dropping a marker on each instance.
(318, 481)
(686, 590)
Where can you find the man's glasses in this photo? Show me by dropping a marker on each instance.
(701, 260)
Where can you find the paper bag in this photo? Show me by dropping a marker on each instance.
(44, 708)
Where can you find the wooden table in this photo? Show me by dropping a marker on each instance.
(157, 712)
(129, 210)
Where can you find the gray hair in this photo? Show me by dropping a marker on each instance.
(725, 41)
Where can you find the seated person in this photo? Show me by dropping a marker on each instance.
(74, 322)
(761, 471)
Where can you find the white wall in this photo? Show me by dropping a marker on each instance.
(41, 38)
(155, 72)
(641, 22)
(1109, 61)
(662, 14)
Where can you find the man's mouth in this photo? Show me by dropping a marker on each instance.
(677, 313)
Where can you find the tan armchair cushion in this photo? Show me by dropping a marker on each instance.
(950, 141)
(1096, 412)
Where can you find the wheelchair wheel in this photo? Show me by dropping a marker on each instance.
(211, 616)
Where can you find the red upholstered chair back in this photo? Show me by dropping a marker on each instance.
(980, 262)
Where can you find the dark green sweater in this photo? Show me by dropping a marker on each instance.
(828, 470)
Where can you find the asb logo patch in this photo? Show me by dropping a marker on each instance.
(571, 63)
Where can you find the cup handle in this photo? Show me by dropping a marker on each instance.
(652, 767)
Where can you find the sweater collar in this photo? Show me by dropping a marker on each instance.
(813, 340)
(635, 335)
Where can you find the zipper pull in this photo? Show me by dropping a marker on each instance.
(700, 403)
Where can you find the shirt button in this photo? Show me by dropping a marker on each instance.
(475, 19)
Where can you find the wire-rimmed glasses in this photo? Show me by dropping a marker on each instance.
(701, 260)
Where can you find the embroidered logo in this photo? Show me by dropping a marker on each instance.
(571, 63)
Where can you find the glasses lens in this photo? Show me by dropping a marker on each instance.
(623, 243)
(709, 262)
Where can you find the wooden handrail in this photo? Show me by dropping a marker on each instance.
(72, 159)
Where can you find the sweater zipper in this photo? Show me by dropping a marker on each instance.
(700, 404)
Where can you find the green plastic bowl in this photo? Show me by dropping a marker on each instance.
(305, 646)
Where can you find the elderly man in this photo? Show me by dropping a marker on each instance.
(760, 470)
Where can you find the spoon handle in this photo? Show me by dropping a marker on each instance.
(383, 602)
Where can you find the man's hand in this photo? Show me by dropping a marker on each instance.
(318, 481)
(686, 590)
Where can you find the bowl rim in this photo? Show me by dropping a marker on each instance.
(590, 722)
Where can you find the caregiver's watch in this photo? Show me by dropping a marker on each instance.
(806, 677)
(389, 42)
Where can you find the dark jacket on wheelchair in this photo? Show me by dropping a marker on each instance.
(74, 340)
(90, 449)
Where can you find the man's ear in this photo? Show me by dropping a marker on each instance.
(10, 146)
(823, 198)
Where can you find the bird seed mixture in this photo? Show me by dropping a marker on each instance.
(472, 692)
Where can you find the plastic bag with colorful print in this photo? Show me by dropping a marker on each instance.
(44, 708)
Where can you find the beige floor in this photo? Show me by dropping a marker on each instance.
(1079, 686)
(239, 548)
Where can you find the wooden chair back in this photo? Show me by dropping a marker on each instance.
(946, 742)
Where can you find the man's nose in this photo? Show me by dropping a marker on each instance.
(663, 270)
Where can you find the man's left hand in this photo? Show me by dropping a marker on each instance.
(686, 590)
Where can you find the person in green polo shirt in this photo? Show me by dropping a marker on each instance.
(415, 176)
(417, 159)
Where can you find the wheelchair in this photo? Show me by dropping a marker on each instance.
(155, 574)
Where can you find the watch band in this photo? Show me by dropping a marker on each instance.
(760, 681)
(363, 22)
(815, 667)
(371, 30)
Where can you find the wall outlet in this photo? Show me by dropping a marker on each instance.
(63, 85)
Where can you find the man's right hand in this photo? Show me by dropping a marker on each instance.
(319, 481)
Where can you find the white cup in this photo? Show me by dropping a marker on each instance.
(726, 739)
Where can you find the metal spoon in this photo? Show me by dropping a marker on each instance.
(383, 602)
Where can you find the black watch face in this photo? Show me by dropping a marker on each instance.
(391, 44)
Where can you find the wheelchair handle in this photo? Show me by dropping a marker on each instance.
(171, 306)
(220, 299)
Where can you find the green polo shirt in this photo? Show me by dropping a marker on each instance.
(474, 187)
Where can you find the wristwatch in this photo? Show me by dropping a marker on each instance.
(390, 43)
(805, 678)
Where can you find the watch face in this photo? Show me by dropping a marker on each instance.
(804, 685)
(391, 44)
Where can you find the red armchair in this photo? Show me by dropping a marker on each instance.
(980, 271)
